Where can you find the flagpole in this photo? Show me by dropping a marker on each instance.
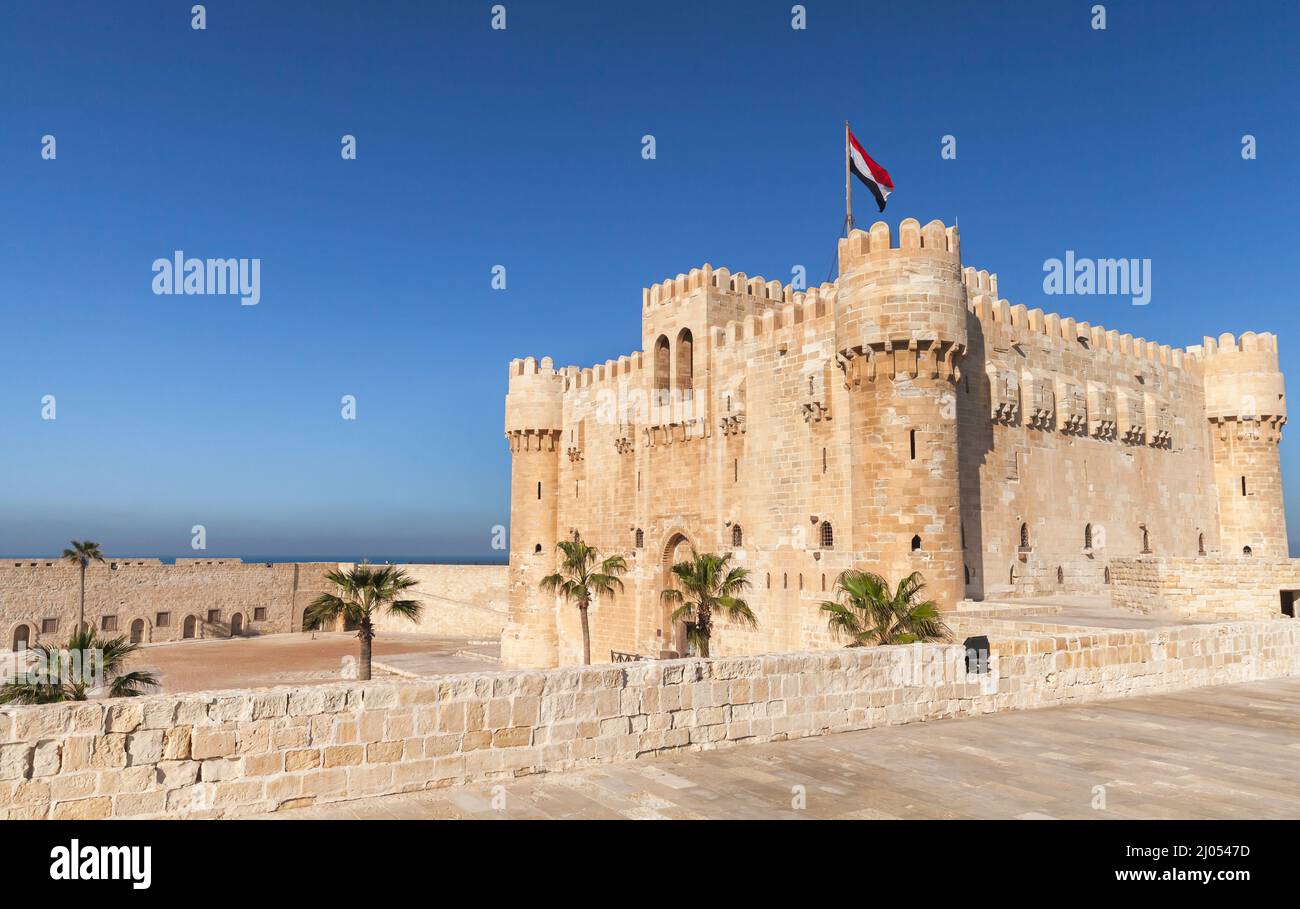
(848, 186)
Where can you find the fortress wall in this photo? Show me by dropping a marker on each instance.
(738, 451)
(460, 599)
(1060, 426)
(234, 753)
(1065, 425)
(1208, 588)
(140, 589)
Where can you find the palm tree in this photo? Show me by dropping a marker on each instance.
(709, 584)
(868, 612)
(83, 554)
(363, 591)
(60, 678)
(583, 575)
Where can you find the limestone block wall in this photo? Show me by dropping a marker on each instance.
(458, 600)
(1095, 442)
(233, 753)
(199, 598)
(1211, 589)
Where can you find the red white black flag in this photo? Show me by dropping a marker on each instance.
(869, 172)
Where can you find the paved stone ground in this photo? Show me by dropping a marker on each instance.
(1087, 612)
(1226, 752)
(304, 659)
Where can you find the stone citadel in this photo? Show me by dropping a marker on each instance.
(903, 418)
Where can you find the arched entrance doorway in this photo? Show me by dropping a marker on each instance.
(187, 630)
(236, 624)
(137, 631)
(22, 638)
(672, 634)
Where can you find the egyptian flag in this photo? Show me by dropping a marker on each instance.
(869, 172)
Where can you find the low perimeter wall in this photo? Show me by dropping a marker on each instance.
(1209, 588)
(240, 752)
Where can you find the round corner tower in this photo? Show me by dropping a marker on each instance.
(1245, 402)
(534, 417)
(901, 336)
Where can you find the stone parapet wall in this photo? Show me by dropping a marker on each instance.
(236, 753)
(1206, 587)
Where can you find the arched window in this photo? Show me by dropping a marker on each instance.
(737, 536)
(916, 543)
(1024, 536)
(1146, 541)
(685, 364)
(828, 535)
(769, 580)
(1087, 537)
(1106, 575)
(1246, 550)
(1060, 575)
(663, 370)
(537, 548)
(1200, 544)
(639, 538)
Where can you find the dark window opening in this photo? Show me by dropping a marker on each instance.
(913, 442)
(827, 536)
(737, 536)
(916, 543)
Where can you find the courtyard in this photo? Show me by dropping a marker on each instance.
(1208, 753)
(306, 658)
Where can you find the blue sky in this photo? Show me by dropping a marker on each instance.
(523, 148)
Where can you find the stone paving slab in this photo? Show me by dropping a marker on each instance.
(1224, 752)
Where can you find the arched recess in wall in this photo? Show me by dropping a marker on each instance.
(663, 369)
(737, 536)
(138, 632)
(685, 364)
(673, 634)
(189, 627)
(827, 540)
(916, 543)
(638, 539)
(22, 638)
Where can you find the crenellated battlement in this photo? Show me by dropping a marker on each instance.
(1227, 344)
(1003, 321)
(935, 237)
(761, 290)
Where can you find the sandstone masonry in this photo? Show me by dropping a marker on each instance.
(904, 418)
(231, 753)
